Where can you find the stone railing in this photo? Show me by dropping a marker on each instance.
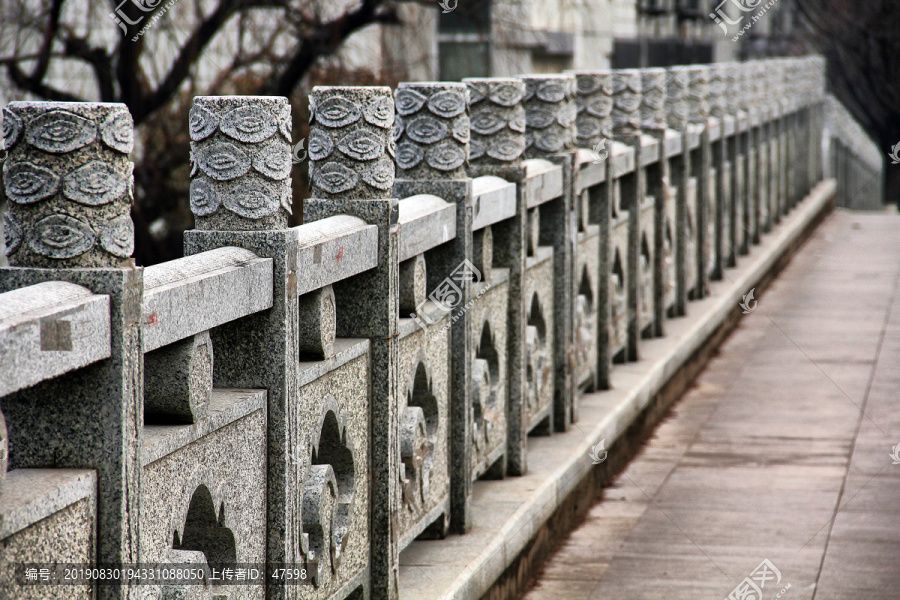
(475, 256)
(854, 160)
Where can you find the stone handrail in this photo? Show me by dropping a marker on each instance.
(475, 257)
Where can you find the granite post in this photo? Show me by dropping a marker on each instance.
(69, 181)
(432, 136)
(550, 113)
(352, 173)
(677, 119)
(240, 196)
(496, 148)
(698, 114)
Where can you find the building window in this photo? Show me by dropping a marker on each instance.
(463, 41)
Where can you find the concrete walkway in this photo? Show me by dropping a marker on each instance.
(779, 452)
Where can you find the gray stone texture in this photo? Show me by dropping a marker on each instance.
(413, 278)
(698, 93)
(69, 182)
(550, 113)
(653, 99)
(677, 81)
(540, 335)
(431, 130)
(593, 100)
(351, 142)
(241, 162)
(316, 324)
(626, 111)
(497, 122)
(178, 381)
(718, 89)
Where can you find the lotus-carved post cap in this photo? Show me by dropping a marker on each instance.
(69, 182)
(431, 130)
(698, 93)
(676, 98)
(497, 121)
(593, 102)
(351, 142)
(626, 112)
(549, 114)
(718, 90)
(240, 162)
(653, 99)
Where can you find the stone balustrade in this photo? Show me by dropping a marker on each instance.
(475, 257)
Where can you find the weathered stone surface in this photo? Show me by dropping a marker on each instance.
(543, 182)
(351, 142)
(550, 113)
(432, 130)
(539, 338)
(413, 278)
(49, 329)
(70, 184)
(593, 101)
(4, 451)
(718, 89)
(178, 381)
(196, 293)
(425, 221)
(334, 249)
(496, 120)
(241, 162)
(316, 324)
(677, 81)
(493, 199)
(653, 99)
(698, 93)
(626, 111)
(483, 251)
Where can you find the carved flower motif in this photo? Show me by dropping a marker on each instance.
(627, 101)
(447, 104)
(486, 122)
(530, 88)
(273, 160)
(409, 101)
(12, 128)
(409, 155)
(445, 156)
(599, 106)
(587, 84)
(476, 149)
(552, 91)
(478, 91)
(12, 231)
(320, 144)
(335, 178)
(380, 175)
(588, 126)
(27, 182)
(223, 161)
(550, 141)
(398, 130)
(117, 237)
(361, 144)
(61, 236)
(461, 130)
(60, 131)
(538, 117)
(337, 111)
(517, 123)
(249, 124)
(566, 114)
(426, 130)
(252, 200)
(380, 113)
(287, 197)
(117, 132)
(204, 198)
(506, 148)
(506, 94)
(202, 123)
(94, 184)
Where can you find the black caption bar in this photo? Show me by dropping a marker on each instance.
(165, 574)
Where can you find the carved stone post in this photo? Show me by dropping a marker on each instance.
(677, 119)
(69, 182)
(432, 136)
(698, 114)
(496, 148)
(240, 196)
(550, 113)
(351, 145)
(720, 205)
(658, 176)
